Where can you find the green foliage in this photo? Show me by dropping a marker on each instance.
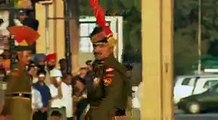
(185, 51)
(132, 36)
(213, 49)
(186, 30)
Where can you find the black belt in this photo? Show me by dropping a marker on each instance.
(19, 95)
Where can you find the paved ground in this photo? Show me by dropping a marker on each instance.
(207, 116)
(180, 115)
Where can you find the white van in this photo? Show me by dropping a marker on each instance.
(192, 84)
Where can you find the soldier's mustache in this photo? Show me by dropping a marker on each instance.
(97, 53)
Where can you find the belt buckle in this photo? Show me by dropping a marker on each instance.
(20, 94)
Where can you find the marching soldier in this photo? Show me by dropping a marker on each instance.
(18, 93)
(108, 91)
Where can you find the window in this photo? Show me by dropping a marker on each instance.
(186, 81)
(210, 83)
(85, 44)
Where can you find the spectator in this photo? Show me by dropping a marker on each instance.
(46, 96)
(67, 95)
(50, 65)
(83, 72)
(63, 66)
(80, 97)
(28, 21)
(56, 92)
(32, 71)
(51, 61)
(78, 86)
(36, 100)
(40, 60)
(56, 115)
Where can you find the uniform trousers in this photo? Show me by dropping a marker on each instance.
(18, 108)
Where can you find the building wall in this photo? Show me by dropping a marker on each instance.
(157, 35)
(55, 41)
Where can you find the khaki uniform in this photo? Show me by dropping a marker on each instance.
(18, 96)
(111, 92)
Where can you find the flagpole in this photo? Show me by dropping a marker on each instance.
(67, 33)
(199, 36)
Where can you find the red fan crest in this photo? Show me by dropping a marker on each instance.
(24, 33)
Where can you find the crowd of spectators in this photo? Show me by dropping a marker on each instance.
(53, 89)
(59, 91)
(55, 93)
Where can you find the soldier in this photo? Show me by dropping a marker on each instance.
(18, 93)
(108, 92)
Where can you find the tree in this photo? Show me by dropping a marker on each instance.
(213, 48)
(185, 30)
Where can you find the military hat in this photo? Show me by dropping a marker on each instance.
(102, 33)
(99, 37)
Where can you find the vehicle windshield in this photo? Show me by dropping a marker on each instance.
(213, 88)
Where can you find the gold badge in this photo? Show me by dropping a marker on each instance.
(96, 81)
